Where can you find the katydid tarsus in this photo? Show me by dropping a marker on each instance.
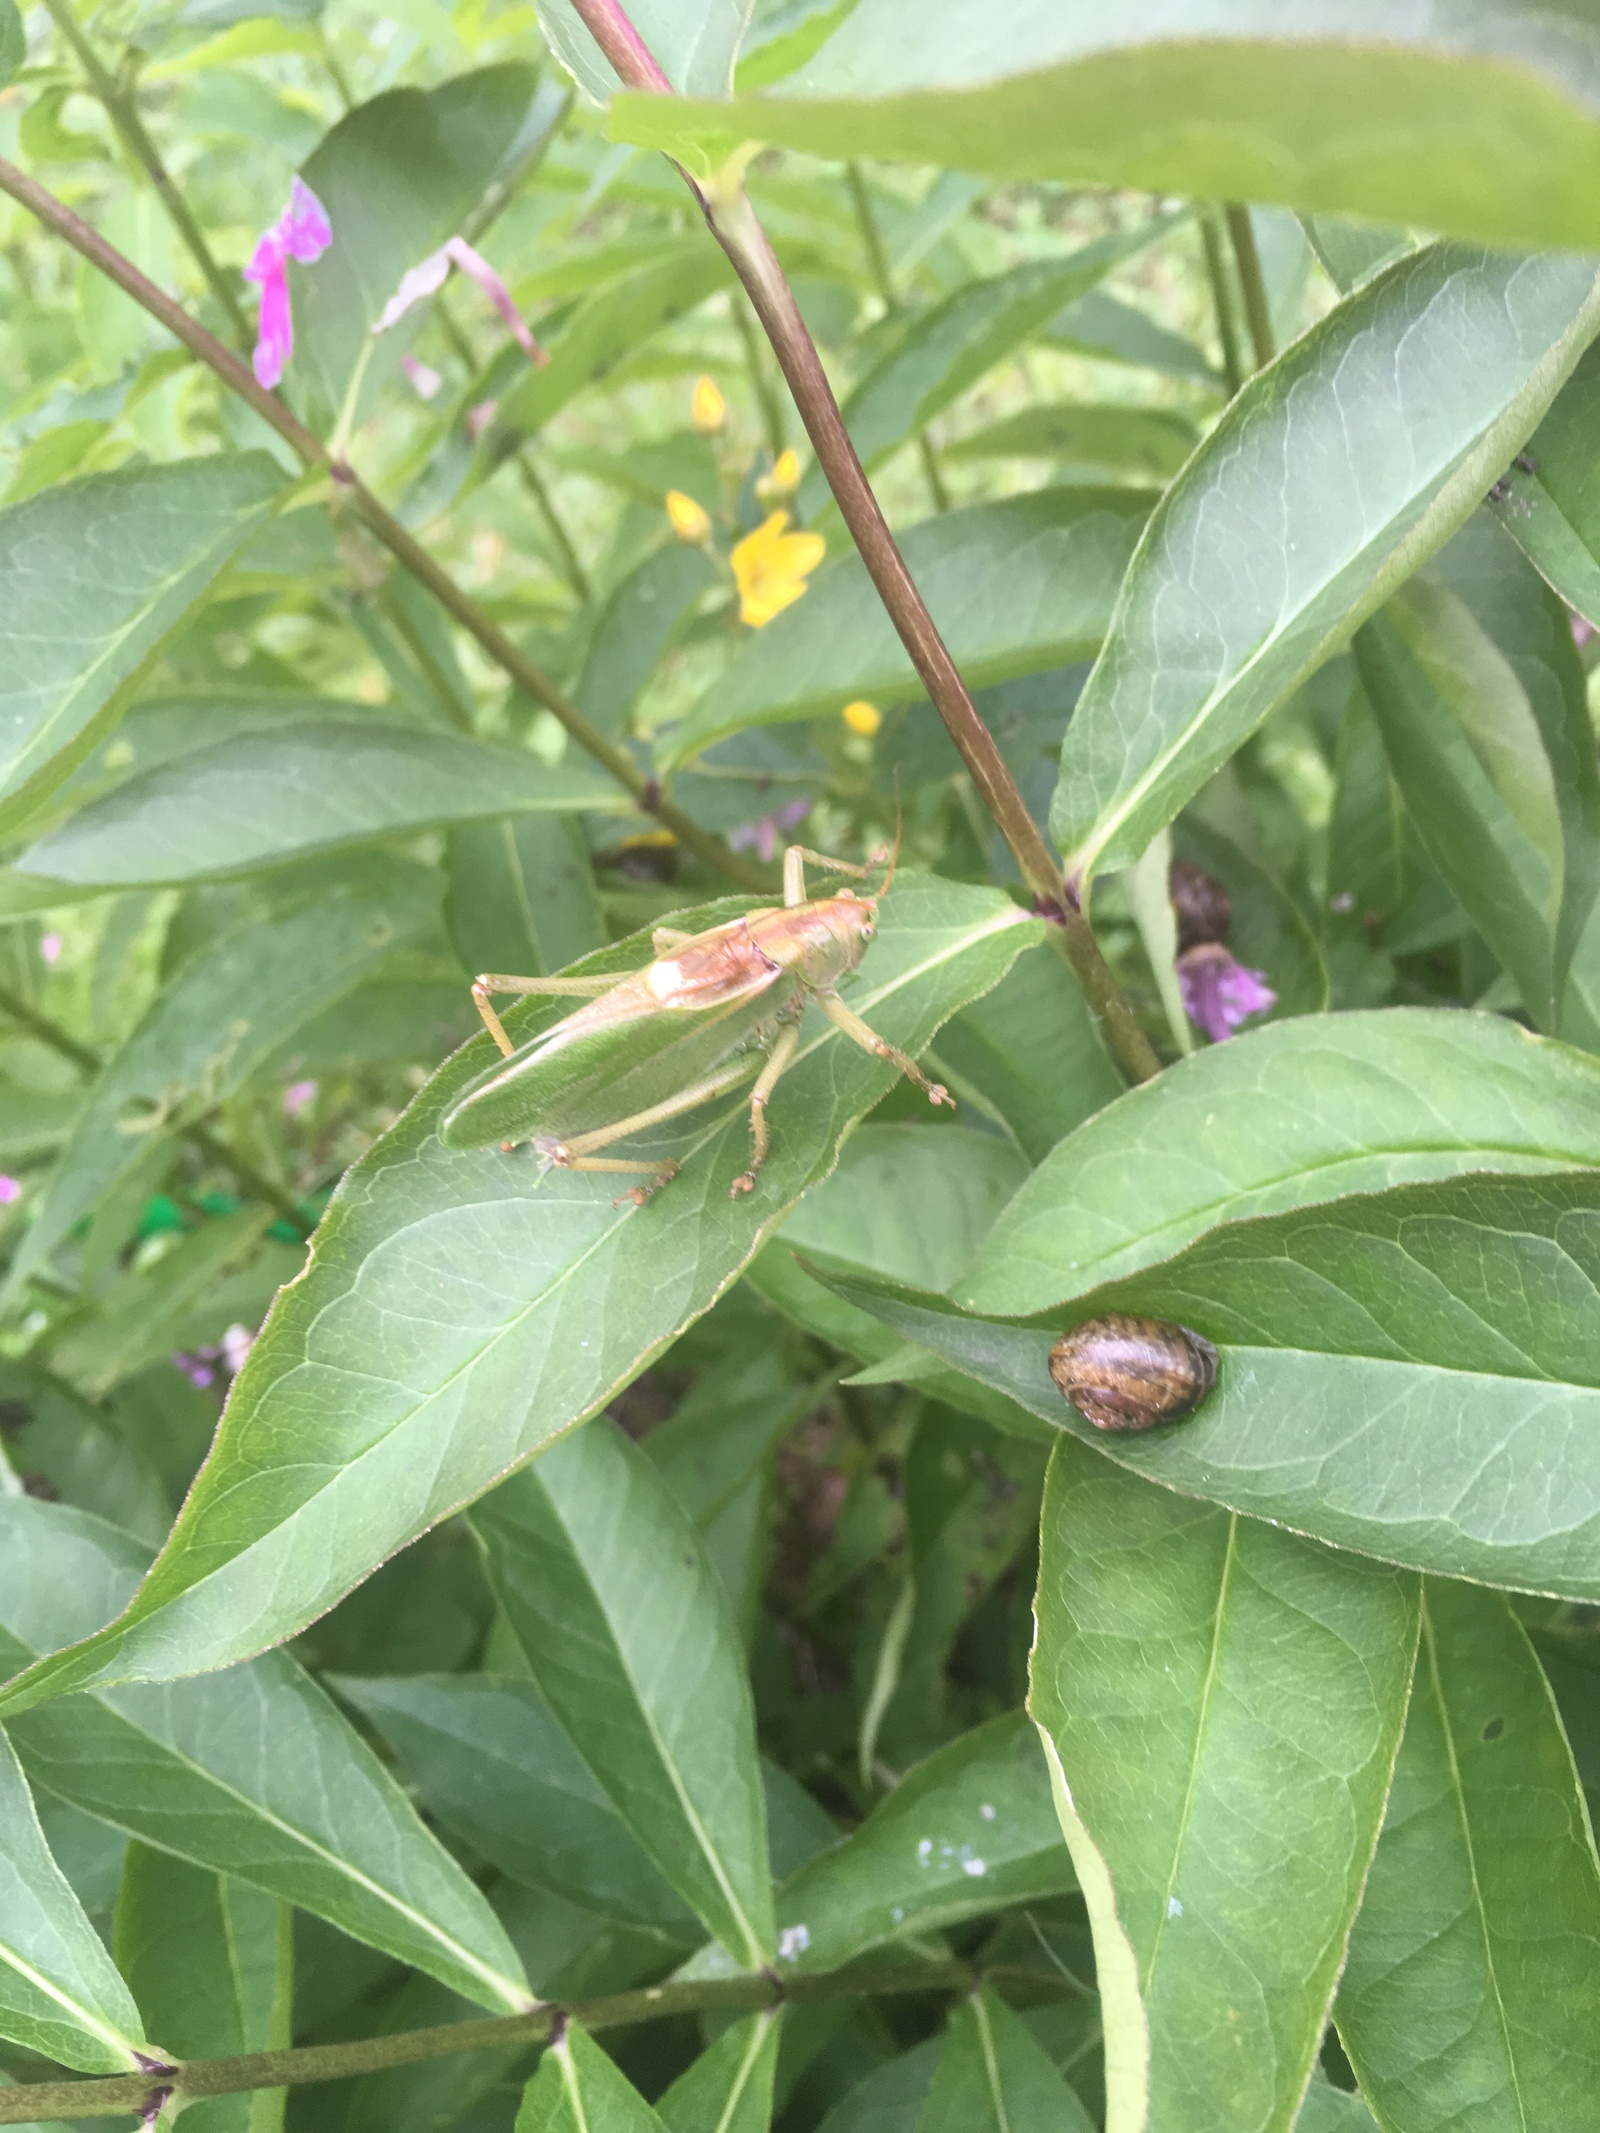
(712, 1009)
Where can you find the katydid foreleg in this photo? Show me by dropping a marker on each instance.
(880, 1047)
(794, 871)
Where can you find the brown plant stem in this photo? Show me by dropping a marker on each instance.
(1252, 284)
(403, 546)
(735, 225)
(122, 108)
(211, 1145)
(120, 2094)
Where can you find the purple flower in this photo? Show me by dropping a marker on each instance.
(762, 836)
(418, 283)
(10, 1190)
(50, 947)
(1218, 993)
(296, 1096)
(199, 1365)
(301, 232)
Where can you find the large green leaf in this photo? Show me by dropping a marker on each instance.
(228, 1010)
(950, 346)
(1286, 1116)
(994, 2077)
(1222, 1704)
(1475, 1961)
(1016, 587)
(969, 1831)
(522, 895)
(485, 1755)
(630, 1635)
(579, 2090)
(634, 628)
(94, 575)
(398, 177)
(1412, 1374)
(60, 1994)
(512, 1306)
(1145, 444)
(210, 1964)
(1329, 479)
(260, 799)
(1475, 121)
(251, 1773)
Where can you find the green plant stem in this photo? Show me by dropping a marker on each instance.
(1222, 301)
(211, 1145)
(878, 261)
(406, 550)
(734, 223)
(1258, 314)
(123, 2093)
(771, 406)
(121, 107)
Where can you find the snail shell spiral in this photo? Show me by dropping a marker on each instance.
(1132, 1373)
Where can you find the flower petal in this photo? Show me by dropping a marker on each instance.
(478, 269)
(416, 284)
(303, 227)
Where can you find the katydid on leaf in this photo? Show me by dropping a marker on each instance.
(710, 1011)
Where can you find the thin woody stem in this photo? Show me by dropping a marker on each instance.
(734, 223)
(121, 107)
(406, 550)
(121, 2094)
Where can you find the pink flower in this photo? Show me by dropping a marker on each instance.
(1218, 993)
(418, 283)
(422, 375)
(301, 232)
(296, 1096)
(762, 836)
(50, 948)
(10, 1189)
(480, 417)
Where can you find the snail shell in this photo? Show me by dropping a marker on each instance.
(1131, 1373)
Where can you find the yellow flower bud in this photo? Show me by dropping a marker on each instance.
(784, 477)
(689, 522)
(708, 407)
(862, 717)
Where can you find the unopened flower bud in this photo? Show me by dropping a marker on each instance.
(689, 521)
(708, 408)
(1203, 906)
(862, 717)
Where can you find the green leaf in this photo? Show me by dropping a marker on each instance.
(514, 1305)
(1015, 587)
(485, 1755)
(210, 1963)
(909, 1202)
(1110, 331)
(521, 895)
(993, 2077)
(579, 2090)
(1408, 1374)
(694, 42)
(49, 1430)
(1033, 1051)
(94, 576)
(398, 176)
(1294, 1114)
(1545, 499)
(263, 798)
(1479, 124)
(610, 324)
(1299, 515)
(1222, 1704)
(1467, 753)
(1476, 1956)
(60, 1994)
(950, 346)
(729, 2088)
(227, 1011)
(634, 627)
(252, 1772)
(1330, 2110)
(969, 1831)
(890, 2099)
(630, 1636)
(13, 41)
(1142, 444)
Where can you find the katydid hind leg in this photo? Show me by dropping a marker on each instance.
(859, 1033)
(778, 1059)
(488, 982)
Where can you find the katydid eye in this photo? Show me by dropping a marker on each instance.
(868, 931)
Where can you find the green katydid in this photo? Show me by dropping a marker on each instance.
(710, 1011)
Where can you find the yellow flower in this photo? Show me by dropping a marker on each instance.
(862, 717)
(770, 568)
(689, 522)
(784, 478)
(709, 408)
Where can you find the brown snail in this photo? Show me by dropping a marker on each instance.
(1131, 1373)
